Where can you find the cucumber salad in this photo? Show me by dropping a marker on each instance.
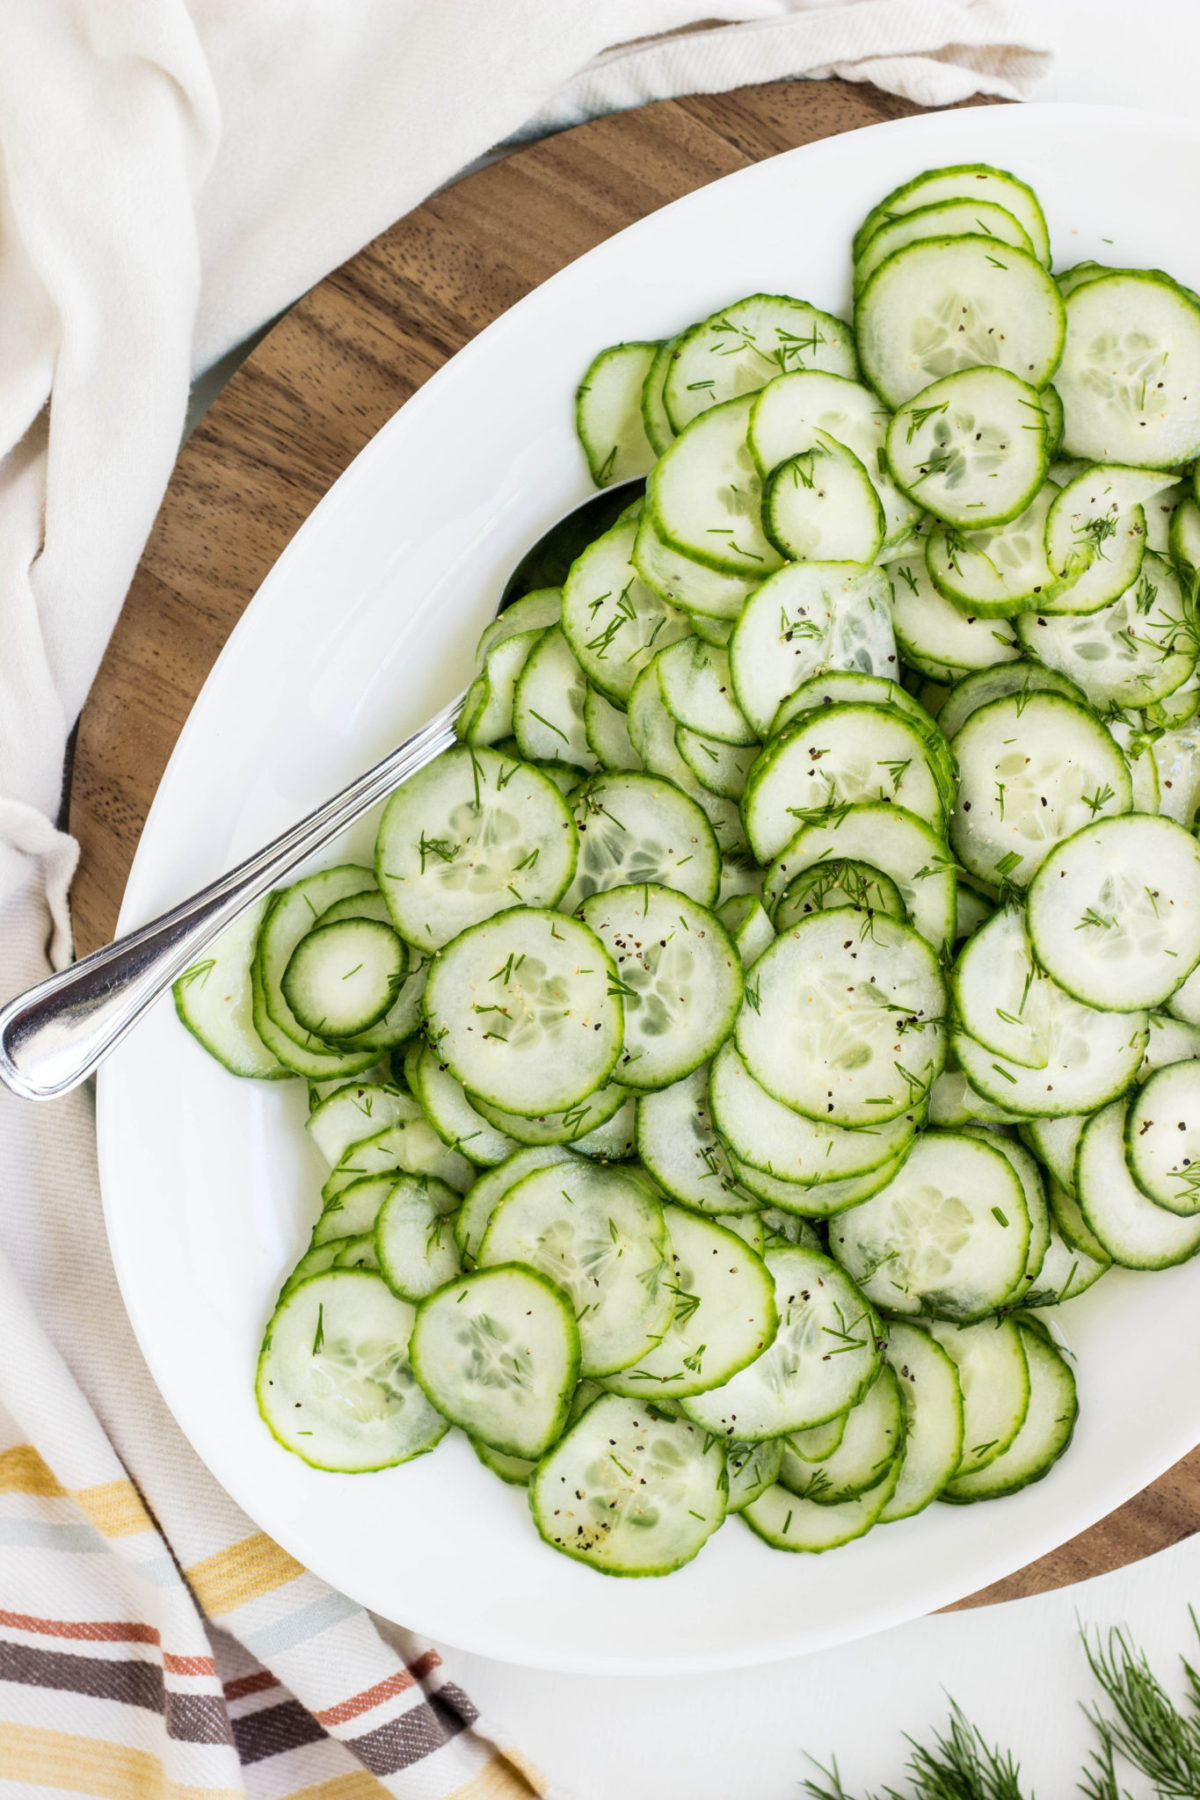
(786, 995)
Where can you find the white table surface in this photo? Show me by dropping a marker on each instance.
(1017, 1669)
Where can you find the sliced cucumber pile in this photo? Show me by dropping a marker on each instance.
(828, 831)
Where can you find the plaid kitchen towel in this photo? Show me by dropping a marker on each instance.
(156, 203)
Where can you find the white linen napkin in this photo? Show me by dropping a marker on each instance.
(171, 176)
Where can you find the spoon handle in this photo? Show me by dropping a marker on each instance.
(52, 1037)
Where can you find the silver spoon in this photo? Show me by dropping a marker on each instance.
(52, 1037)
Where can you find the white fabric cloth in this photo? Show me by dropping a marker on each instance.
(171, 176)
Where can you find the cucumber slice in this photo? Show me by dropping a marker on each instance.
(771, 1137)
(721, 768)
(612, 621)
(636, 828)
(808, 617)
(1034, 769)
(942, 219)
(1065, 1273)
(1034, 1189)
(535, 611)
(1107, 934)
(411, 1146)
(607, 732)
(215, 1000)
(1045, 1431)
(682, 581)
(1092, 1056)
(1175, 759)
(948, 1236)
(518, 1470)
(724, 1314)
(788, 1523)
(705, 494)
(1184, 540)
(487, 714)
(599, 1235)
(608, 413)
(497, 1353)
(971, 448)
(679, 1146)
(800, 1201)
(1096, 536)
(342, 978)
(1054, 1143)
(403, 1016)
(872, 1439)
(1138, 650)
(629, 1491)
(289, 915)
(1000, 995)
(798, 1381)
(749, 1227)
(316, 1259)
(973, 910)
(656, 421)
(820, 506)
(566, 1127)
(1162, 1138)
(933, 1419)
(901, 846)
(678, 975)
(745, 919)
(794, 412)
(616, 1139)
(996, 683)
(697, 689)
(835, 685)
(1134, 1230)
(941, 306)
(1184, 1003)
(973, 182)
(335, 1384)
(525, 1011)
(993, 1377)
(1130, 363)
(739, 349)
(467, 837)
(819, 1441)
(999, 571)
(752, 1469)
(712, 631)
(445, 1104)
(489, 1189)
(936, 636)
(353, 1112)
(414, 1236)
(652, 731)
(782, 1230)
(953, 1102)
(548, 705)
(1171, 1041)
(845, 1026)
(1070, 1222)
(353, 1210)
(835, 756)
(1141, 753)
(839, 882)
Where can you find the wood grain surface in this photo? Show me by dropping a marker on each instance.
(321, 384)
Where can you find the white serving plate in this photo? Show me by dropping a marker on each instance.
(364, 627)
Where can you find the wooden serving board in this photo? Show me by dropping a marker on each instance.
(322, 383)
